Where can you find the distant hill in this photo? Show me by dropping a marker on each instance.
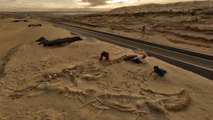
(175, 7)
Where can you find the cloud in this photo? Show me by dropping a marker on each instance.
(95, 2)
(8, 0)
(17, 5)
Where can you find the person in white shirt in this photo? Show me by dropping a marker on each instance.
(136, 58)
(139, 59)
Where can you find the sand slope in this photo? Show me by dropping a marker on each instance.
(186, 25)
(176, 7)
(69, 83)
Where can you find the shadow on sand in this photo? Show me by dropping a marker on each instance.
(57, 42)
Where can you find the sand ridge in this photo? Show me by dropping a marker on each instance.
(186, 25)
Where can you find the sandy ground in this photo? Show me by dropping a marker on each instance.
(183, 25)
(69, 83)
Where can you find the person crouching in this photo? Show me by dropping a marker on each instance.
(159, 71)
(105, 55)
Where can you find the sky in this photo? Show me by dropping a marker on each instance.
(40, 5)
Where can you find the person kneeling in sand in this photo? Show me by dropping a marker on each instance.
(136, 58)
(105, 55)
(159, 71)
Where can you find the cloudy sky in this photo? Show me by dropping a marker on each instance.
(38, 5)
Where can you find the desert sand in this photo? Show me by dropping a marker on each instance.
(69, 83)
(186, 25)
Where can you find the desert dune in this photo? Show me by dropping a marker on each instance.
(186, 25)
(70, 83)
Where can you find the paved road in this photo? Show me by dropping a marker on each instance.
(196, 62)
